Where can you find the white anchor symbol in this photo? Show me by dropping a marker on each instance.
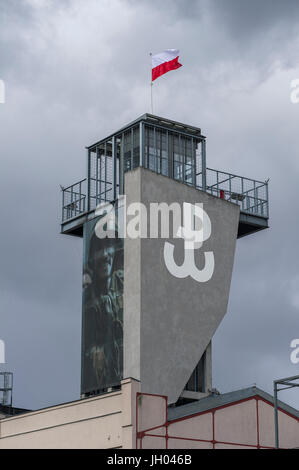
(193, 239)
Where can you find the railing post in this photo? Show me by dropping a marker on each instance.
(72, 201)
(267, 199)
(88, 181)
(155, 149)
(105, 170)
(121, 165)
(204, 165)
(170, 154)
(80, 191)
(181, 159)
(62, 214)
(99, 179)
(193, 153)
(132, 148)
(276, 417)
(242, 189)
(97, 176)
(113, 169)
(255, 198)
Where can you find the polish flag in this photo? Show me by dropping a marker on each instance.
(165, 62)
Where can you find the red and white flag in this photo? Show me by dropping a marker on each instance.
(165, 62)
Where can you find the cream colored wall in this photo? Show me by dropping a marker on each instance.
(199, 427)
(237, 423)
(288, 427)
(103, 422)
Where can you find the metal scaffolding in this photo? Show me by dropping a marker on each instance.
(6, 385)
(169, 148)
(287, 383)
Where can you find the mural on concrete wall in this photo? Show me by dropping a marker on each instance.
(102, 319)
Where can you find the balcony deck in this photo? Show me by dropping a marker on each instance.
(252, 199)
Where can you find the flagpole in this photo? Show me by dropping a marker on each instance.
(152, 111)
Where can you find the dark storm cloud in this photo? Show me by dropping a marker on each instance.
(241, 18)
(76, 71)
(262, 32)
(258, 35)
(14, 9)
(245, 19)
(176, 9)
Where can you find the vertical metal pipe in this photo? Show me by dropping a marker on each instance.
(105, 171)
(132, 148)
(255, 199)
(121, 165)
(99, 161)
(160, 150)
(97, 174)
(155, 150)
(193, 153)
(88, 181)
(168, 155)
(267, 199)
(141, 144)
(242, 189)
(147, 145)
(204, 166)
(11, 389)
(62, 215)
(80, 196)
(113, 169)
(181, 159)
(276, 417)
(72, 200)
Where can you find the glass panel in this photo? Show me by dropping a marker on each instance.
(189, 161)
(198, 173)
(196, 383)
(127, 151)
(177, 157)
(150, 150)
(171, 154)
(164, 156)
(136, 147)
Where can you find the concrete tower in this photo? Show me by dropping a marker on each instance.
(152, 296)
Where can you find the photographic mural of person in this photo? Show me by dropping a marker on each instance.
(102, 326)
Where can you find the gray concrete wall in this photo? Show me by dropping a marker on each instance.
(132, 292)
(169, 322)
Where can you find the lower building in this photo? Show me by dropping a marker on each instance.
(129, 419)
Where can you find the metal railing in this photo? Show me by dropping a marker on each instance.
(6, 388)
(251, 195)
(74, 200)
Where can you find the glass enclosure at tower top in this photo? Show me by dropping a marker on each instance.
(169, 148)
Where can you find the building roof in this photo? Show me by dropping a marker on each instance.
(218, 401)
(158, 121)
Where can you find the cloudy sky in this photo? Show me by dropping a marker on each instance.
(77, 70)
